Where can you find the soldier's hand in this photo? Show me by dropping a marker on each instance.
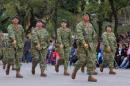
(38, 47)
(61, 46)
(14, 43)
(86, 45)
(109, 49)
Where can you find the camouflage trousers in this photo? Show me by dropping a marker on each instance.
(93, 57)
(8, 56)
(18, 55)
(39, 56)
(85, 57)
(64, 54)
(1, 53)
(108, 59)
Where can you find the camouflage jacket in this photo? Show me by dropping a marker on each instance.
(17, 34)
(109, 40)
(40, 36)
(85, 32)
(64, 36)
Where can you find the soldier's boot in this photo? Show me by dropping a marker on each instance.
(65, 72)
(57, 66)
(18, 75)
(92, 79)
(43, 73)
(101, 68)
(112, 72)
(82, 69)
(33, 69)
(73, 76)
(8, 69)
(34, 64)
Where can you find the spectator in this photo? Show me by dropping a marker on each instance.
(27, 57)
(125, 58)
(119, 54)
(129, 35)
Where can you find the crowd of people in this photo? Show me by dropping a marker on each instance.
(122, 55)
(41, 48)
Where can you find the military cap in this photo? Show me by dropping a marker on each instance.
(64, 20)
(13, 17)
(85, 14)
(40, 20)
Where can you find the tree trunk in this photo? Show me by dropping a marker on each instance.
(83, 3)
(100, 23)
(114, 12)
(55, 18)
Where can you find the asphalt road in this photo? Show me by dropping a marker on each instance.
(57, 79)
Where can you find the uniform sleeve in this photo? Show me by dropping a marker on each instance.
(22, 30)
(94, 34)
(80, 33)
(59, 39)
(11, 32)
(115, 40)
(48, 37)
(70, 37)
(34, 37)
(105, 39)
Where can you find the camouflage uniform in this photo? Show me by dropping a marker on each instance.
(109, 40)
(85, 55)
(9, 54)
(39, 36)
(64, 38)
(16, 33)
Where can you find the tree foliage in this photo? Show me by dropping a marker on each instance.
(52, 11)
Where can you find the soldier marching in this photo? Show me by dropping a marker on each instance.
(11, 47)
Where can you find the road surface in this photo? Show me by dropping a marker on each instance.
(57, 79)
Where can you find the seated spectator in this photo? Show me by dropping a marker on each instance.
(128, 53)
(125, 58)
(119, 54)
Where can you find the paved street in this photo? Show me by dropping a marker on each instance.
(57, 79)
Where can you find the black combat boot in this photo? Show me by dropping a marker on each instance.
(92, 79)
(73, 76)
(8, 69)
(43, 73)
